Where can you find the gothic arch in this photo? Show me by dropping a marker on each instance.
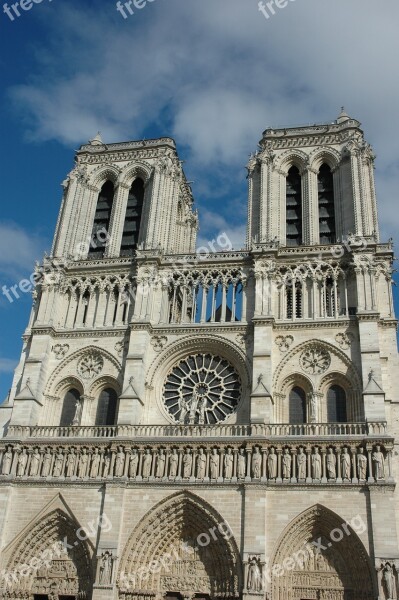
(133, 170)
(343, 568)
(340, 363)
(68, 367)
(171, 529)
(328, 156)
(291, 158)
(213, 344)
(59, 569)
(353, 394)
(102, 174)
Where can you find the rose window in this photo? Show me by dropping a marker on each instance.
(202, 389)
(91, 365)
(315, 360)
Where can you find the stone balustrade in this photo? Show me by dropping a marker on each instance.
(318, 462)
(201, 431)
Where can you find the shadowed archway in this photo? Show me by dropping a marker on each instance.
(322, 558)
(178, 549)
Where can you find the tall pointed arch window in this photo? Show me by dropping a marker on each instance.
(297, 406)
(69, 407)
(134, 209)
(107, 407)
(336, 405)
(102, 218)
(326, 205)
(294, 207)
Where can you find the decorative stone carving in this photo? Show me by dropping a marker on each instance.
(202, 389)
(287, 460)
(121, 346)
(214, 464)
(106, 563)
(241, 464)
(315, 360)
(46, 464)
(95, 464)
(272, 464)
(22, 461)
(344, 340)
(284, 342)
(159, 342)
(147, 462)
(201, 464)
(134, 462)
(345, 465)
(173, 463)
(254, 579)
(70, 463)
(316, 464)
(90, 365)
(58, 464)
(331, 464)
(7, 461)
(379, 463)
(361, 465)
(119, 462)
(256, 463)
(60, 350)
(187, 464)
(83, 463)
(34, 463)
(161, 460)
(301, 463)
(228, 464)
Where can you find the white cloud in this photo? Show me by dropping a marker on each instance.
(19, 248)
(218, 73)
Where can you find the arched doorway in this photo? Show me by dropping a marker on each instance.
(181, 549)
(62, 568)
(320, 557)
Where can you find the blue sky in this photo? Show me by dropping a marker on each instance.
(213, 74)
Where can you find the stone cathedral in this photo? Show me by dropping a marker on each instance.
(217, 425)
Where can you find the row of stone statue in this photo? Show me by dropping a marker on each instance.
(327, 463)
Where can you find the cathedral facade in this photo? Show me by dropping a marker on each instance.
(211, 425)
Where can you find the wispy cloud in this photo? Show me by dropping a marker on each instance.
(19, 248)
(215, 75)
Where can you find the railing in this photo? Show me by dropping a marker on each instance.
(259, 430)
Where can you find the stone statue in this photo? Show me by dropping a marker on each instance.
(160, 472)
(58, 463)
(316, 464)
(70, 463)
(214, 464)
(184, 409)
(228, 464)
(241, 464)
(147, 462)
(95, 464)
(34, 463)
(256, 463)
(187, 464)
(105, 577)
(22, 460)
(134, 461)
(331, 464)
(46, 463)
(7, 461)
(254, 578)
(119, 462)
(173, 463)
(301, 462)
(107, 463)
(389, 582)
(83, 464)
(346, 465)
(379, 462)
(286, 464)
(272, 464)
(362, 465)
(193, 403)
(201, 408)
(201, 464)
(78, 413)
